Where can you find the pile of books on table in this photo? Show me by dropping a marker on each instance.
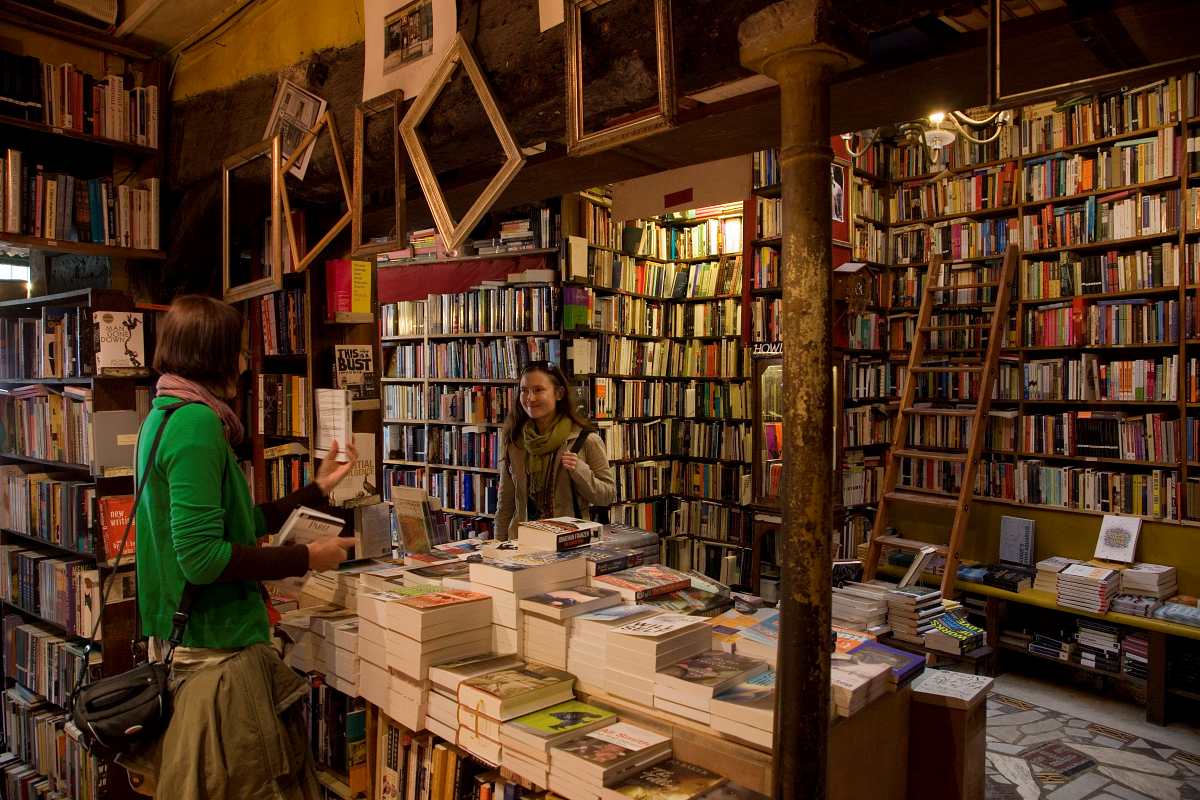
(549, 617)
(861, 606)
(1046, 578)
(1149, 580)
(687, 687)
(856, 683)
(1099, 645)
(637, 650)
(953, 635)
(1087, 587)
(911, 611)
(1134, 605)
(747, 711)
(582, 767)
(587, 647)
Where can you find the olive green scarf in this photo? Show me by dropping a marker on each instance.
(540, 449)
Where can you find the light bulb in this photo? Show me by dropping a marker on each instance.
(937, 117)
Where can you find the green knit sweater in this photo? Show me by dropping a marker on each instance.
(195, 506)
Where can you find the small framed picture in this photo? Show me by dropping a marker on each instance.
(840, 211)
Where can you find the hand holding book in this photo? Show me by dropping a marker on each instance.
(332, 471)
(327, 553)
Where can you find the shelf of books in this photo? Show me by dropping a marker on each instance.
(70, 407)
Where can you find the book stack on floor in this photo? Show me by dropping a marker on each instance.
(1135, 655)
(509, 577)
(441, 716)
(747, 711)
(952, 634)
(583, 766)
(1087, 587)
(587, 648)
(903, 666)
(1099, 645)
(687, 687)
(856, 683)
(526, 740)
(639, 649)
(485, 702)
(549, 617)
(1046, 578)
(911, 611)
(861, 607)
(1149, 580)
(1059, 646)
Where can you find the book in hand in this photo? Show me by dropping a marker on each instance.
(640, 583)
(669, 780)
(305, 525)
(556, 534)
(514, 692)
(566, 603)
(120, 343)
(603, 757)
(694, 680)
(535, 733)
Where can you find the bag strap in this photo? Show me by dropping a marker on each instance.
(576, 447)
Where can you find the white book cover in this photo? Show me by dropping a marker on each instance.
(120, 342)
(1118, 538)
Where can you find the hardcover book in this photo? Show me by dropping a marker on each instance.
(120, 343)
(354, 369)
(556, 534)
(115, 512)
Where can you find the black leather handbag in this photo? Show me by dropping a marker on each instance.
(121, 715)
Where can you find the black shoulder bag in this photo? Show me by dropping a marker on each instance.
(122, 714)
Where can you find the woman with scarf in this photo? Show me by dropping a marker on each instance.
(235, 730)
(546, 471)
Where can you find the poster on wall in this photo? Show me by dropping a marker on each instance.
(840, 212)
(405, 40)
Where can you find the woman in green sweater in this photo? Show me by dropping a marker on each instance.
(235, 729)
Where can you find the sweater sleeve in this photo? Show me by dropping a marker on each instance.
(269, 517)
(265, 563)
(192, 455)
(506, 507)
(593, 475)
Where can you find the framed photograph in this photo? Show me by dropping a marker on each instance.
(379, 218)
(580, 141)
(251, 261)
(296, 112)
(301, 260)
(405, 39)
(840, 195)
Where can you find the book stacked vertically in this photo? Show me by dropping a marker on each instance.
(1149, 580)
(441, 717)
(1088, 588)
(509, 577)
(526, 740)
(911, 611)
(1135, 655)
(487, 701)
(861, 606)
(549, 617)
(952, 634)
(1099, 645)
(687, 687)
(639, 649)
(587, 648)
(1046, 578)
(581, 767)
(747, 711)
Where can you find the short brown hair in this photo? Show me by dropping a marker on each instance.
(200, 338)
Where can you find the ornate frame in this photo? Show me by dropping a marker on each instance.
(300, 261)
(387, 103)
(273, 282)
(580, 142)
(454, 234)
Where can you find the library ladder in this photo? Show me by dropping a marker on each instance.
(923, 361)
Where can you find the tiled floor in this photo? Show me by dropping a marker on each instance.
(1036, 752)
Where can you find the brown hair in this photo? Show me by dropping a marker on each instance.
(200, 338)
(566, 405)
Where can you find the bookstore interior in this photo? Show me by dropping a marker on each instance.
(994, 316)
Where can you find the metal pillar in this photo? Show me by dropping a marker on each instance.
(797, 44)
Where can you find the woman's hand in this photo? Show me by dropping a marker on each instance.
(569, 460)
(331, 472)
(328, 553)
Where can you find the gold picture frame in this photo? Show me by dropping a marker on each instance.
(455, 233)
(579, 141)
(300, 260)
(270, 149)
(387, 106)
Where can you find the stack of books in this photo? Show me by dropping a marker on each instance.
(434, 574)
(727, 628)
(341, 657)
(526, 740)
(687, 687)
(1149, 580)
(556, 535)
(548, 621)
(487, 701)
(668, 779)
(954, 635)
(861, 607)
(911, 610)
(1099, 645)
(638, 584)
(582, 767)
(626, 537)
(434, 628)
(903, 666)
(587, 648)
(1060, 646)
(1135, 655)
(747, 711)
(441, 717)
(1134, 605)
(1009, 577)
(374, 681)
(695, 601)
(1088, 588)
(310, 630)
(639, 649)
(604, 559)
(510, 577)
(855, 684)
(1046, 579)
(761, 641)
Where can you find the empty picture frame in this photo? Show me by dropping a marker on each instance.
(454, 233)
(251, 263)
(302, 260)
(377, 168)
(580, 141)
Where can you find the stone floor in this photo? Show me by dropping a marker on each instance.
(1036, 752)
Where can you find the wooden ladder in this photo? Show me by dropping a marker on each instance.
(923, 362)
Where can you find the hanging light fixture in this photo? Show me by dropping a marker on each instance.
(932, 133)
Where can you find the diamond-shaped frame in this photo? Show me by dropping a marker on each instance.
(300, 261)
(454, 234)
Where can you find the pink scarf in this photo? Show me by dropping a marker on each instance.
(185, 389)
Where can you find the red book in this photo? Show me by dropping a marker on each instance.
(337, 286)
(115, 513)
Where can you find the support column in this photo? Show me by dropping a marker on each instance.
(796, 43)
